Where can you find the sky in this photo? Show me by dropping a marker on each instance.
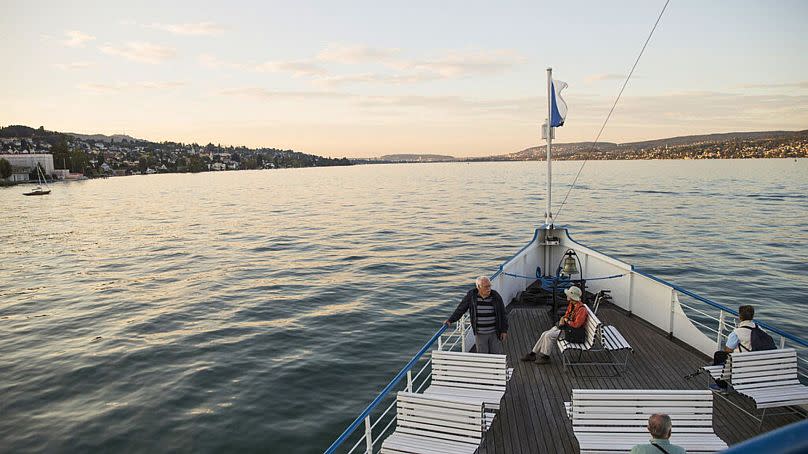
(369, 78)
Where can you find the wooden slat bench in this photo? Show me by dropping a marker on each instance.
(469, 375)
(768, 377)
(610, 421)
(433, 425)
(606, 338)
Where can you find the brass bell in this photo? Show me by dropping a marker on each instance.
(570, 267)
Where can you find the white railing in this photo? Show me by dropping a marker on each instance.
(701, 323)
(723, 321)
(371, 438)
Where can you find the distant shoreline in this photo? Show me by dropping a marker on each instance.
(4, 183)
(97, 156)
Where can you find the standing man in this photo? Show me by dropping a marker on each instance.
(488, 319)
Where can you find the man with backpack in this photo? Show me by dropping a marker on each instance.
(746, 337)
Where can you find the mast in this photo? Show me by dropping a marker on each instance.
(548, 215)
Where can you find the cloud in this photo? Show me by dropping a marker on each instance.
(452, 65)
(131, 86)
(75, 38)
(264, 94)
(393, 71)
(803, 84)
(140, 51)
(211, 61)
(520, 108)
(462, 64)
(298, 68)
(455, 104)
(197, 29)
(76, 65)
(348, 54)
(374, 78)
(601, 77)
(719, 110)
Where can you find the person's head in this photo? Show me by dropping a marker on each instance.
(659, 425)
(483, 286)
(746, 312)
(573, 294)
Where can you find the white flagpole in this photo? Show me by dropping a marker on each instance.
(548, 216)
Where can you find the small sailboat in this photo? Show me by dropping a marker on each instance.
(40, 177)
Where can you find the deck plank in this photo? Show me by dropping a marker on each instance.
(532, 417)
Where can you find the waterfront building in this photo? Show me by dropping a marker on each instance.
(30, 160)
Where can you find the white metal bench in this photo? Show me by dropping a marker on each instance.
(719, 372)
(768, 377)
(469, 375)
(433, 425)
(606, 421)
(607, 338)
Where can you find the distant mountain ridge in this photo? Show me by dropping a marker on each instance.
(758, 144)
(610, 150)
(679, 147)
(417, 158)
(105, 138)
(121, 154)
(42, 133)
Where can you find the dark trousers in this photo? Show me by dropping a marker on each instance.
(720, 358)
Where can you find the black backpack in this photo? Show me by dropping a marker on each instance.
(759, 339)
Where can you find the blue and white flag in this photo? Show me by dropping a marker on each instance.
(558, 106)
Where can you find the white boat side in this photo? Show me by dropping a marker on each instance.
(645, 296)
(642, 295)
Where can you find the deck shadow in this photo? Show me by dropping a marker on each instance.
(532, 417)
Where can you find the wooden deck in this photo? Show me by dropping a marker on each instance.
(532, 417)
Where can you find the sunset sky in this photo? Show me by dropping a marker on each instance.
(368, 78)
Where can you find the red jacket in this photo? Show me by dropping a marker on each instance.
(576, 317)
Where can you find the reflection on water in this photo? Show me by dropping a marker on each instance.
(262, 310)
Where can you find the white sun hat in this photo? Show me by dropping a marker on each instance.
(573, 293)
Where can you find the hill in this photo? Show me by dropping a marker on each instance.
(27, 132)
(104, 138)
(102, 155)
(417, 158)
(724, 145)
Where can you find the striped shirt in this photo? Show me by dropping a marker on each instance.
(486, 316)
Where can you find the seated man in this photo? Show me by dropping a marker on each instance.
(659, 426)
(746, 337)
(574, 317)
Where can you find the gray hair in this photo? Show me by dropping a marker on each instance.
(482, 279)
(659, 425)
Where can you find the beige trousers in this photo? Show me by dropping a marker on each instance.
(546, 341)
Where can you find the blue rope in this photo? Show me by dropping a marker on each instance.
(523, 277)
(551, 279)
(604, 277)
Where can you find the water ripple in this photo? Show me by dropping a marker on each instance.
(261, 311)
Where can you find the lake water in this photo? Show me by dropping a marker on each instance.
(261, 311)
